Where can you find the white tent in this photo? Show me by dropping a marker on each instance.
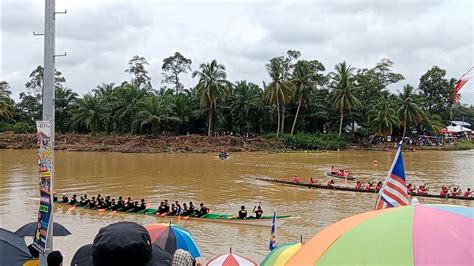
(457, 129)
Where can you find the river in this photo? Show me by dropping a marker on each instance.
(222, 185)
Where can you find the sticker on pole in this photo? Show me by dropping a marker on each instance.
(45, 166)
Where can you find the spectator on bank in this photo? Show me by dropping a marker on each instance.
(122, 244)
(55, 258)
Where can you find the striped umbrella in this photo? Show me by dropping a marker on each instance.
(409, 235)
(171, 237)
(281, 254)
(231, 260)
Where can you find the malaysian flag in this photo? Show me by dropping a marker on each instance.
(272, 244)
(394, 191)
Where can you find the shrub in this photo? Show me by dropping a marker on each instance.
(304, 141)
(22, 127)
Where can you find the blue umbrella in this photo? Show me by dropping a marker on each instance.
(172, 237)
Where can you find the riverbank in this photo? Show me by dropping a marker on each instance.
(143, 144)
(203, 144)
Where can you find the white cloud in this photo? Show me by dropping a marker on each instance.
(101, 36)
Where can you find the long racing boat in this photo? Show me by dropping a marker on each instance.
(340, 188)
(211, 217)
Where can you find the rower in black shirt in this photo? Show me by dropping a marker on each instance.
(92, 203)
(73, 200)
(161, 208)
(142, 205)
(100, 204)
(65, 199)
(192, 209)
(134, 207)
(112, 205)
(173, 211)
(107, 202)
(203, 210)
(118, 206)
(128, 205)
(258, 212)
(242, 212)
(167, 206)
(185, 211)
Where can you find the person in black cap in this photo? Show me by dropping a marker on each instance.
(55, 258)
(122, 244)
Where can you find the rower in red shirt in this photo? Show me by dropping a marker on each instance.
(410, 188)
(312, 180)
(331, 183)
(456, 191)
(467, 194)
(369, 186)
(295, 179)
(379, 186)
(444, 191)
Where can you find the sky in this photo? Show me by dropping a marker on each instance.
(100, 36)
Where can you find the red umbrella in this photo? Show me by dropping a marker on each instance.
(231, 260)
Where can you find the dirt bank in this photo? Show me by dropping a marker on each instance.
(143, 144)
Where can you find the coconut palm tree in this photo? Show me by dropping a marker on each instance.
(6, 103)
(342, 84)
(305, 78)
(244, 98)
(279, 91)
(409, 112)
(212, 87)
(88, 112)
(155, 112)
(383, 118)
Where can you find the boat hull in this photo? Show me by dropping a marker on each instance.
(265, 221)
(320, 186)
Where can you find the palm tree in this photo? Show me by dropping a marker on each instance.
(409, 112)
(304, 79)
(383, 118)
(125, 105)
(279, 91)
(342, 84)
(245, 97)
(88, 112)
(155, 112)
(64, 98)
(212, 87)
(6, 103)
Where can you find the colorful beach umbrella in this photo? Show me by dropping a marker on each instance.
(231, 259)
(409, 235)
(171, 237)
(281, 254)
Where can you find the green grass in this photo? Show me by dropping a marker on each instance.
(464, 145)
(306, 141)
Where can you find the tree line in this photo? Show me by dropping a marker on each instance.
(298, 96)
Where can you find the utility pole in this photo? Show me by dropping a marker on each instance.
(48, 103)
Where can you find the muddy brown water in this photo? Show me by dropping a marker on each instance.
(222, 185)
